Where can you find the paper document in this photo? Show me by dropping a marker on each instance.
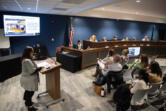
(101, 64)
(44, 64)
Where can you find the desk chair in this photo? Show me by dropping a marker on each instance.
(140, 94)
(154, 90)
(114, 78)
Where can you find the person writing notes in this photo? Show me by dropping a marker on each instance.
(29, 77)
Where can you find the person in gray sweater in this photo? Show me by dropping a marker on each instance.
(29, 77)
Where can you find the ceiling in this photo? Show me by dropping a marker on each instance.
(64, 7)
(145, 10)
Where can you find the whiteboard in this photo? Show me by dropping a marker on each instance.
(4, 41)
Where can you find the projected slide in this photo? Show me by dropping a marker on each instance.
(21, 25)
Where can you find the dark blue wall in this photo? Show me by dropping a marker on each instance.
(51, 26)
(85, 27)
(56, 26)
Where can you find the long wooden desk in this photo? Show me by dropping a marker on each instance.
(88, 56)
(148, 47)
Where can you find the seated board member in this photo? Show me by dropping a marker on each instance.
(145, 38)
(79, 45)
(29, 77)
(115, 38)
(133, 39)
(93, 38)
(125, 39)
(104, 39)
(155, 74)
(124, 57)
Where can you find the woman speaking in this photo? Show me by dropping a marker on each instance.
(29, 77)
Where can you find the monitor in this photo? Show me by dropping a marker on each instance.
(15, 25)
(134, 51)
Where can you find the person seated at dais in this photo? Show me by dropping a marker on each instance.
(93, 38)
(125, 39)
(155, 74)
(104, 39)
(133, 39)
(115, 38)
(79, 45)
(145, 38)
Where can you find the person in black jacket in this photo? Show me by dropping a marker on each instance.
(122, 97)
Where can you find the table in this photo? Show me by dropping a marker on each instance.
(150, 48)
(88, 56)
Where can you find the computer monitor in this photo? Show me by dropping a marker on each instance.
(134, 51)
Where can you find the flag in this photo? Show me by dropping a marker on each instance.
(71, 33)
(153, 33)
(71, 36)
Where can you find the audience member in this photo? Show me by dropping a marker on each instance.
(155, 75)
(145, 38)
(124, 57)
(142, 63)
(122, 102)
(106, 60)
(115, 66)
(141, 84)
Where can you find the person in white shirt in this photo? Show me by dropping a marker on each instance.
(104, 39)
(107, 60)
(115, 66)
(103, 72)
(79, 45)
(140, 84)
(145, 38)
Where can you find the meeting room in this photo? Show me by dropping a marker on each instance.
(82, 55)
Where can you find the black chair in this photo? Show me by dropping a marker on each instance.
(41, 53)
(114, 78)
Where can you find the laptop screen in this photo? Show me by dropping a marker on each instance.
(134, 51)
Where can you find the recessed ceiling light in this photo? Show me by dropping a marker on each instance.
(138, 1)
(29, 8)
